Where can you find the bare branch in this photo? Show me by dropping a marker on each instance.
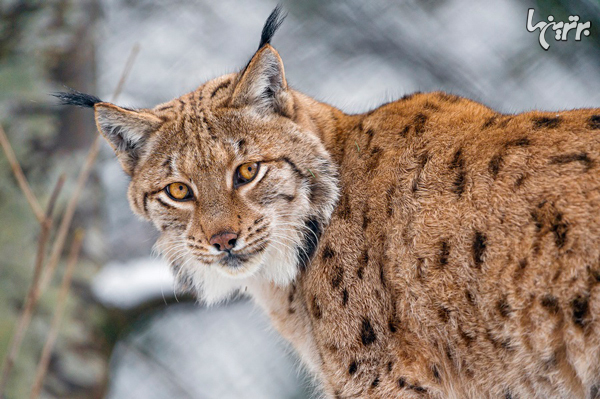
(58, 315)
(43, 275)
(33, 293)
(20, 176)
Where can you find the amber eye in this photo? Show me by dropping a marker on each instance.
(179, 191)
(245, 173)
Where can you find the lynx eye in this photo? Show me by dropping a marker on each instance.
(179, 191)
(245, 173)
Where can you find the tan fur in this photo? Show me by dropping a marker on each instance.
(462, 257)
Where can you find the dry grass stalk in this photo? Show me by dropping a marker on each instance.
(58, 315)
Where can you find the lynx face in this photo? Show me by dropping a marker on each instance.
(231, 200)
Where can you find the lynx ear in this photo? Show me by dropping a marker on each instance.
(126, 131)
(262, 84)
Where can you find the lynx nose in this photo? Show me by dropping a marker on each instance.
(224, 241)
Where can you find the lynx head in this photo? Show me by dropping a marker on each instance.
(239, 187)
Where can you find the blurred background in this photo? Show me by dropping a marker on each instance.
(124, 333)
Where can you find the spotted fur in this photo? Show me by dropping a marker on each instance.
(430, 248)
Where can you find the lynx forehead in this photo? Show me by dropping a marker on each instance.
(430, 248)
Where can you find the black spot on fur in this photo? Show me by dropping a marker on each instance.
(444, 253)
(458, 164)
(389, 367)
(444, 314)
(393, 325)
(389, 195)
(507, 344)
(402, 382)
(574, 157)
(316, 308)
(360, 272)
(595, 122)
(352, 368)
(419, 123)
(581, 310)
(345, 297)
(338, 276)
(404, 131)
(545, 122)
(459, 183)
(550, 303)
(375, 382)
(344, 210)
(367, 334)
(311, 240)
(508, 395)
(77, 99)
(470, 297)
(479, 245)
(491, 121)
(595, 390)
(273, 23)
(520, 180)
(504, 307)
(436, 373)
(366, 221)
(328, 252)
(495, 165)
(559, 228)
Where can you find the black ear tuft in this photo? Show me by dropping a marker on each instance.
(76, 98)
(273, 23)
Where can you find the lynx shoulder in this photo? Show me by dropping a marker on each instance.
(430, 248)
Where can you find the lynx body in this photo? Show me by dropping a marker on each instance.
(430, 248)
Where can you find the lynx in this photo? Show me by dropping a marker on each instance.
(429, 248)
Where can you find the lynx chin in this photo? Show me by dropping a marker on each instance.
(430, 248)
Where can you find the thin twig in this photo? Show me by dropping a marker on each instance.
(67, 218)
(20, 176)
(128, 65)
(33, 293)
(43, 275)
(58, 315)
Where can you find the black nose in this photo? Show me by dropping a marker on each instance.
(224, 241)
